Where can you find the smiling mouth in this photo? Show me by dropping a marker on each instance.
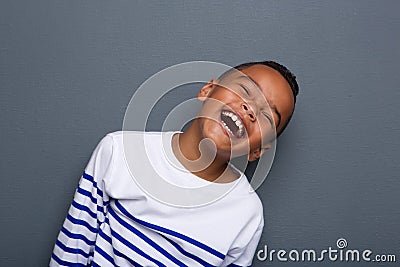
(232, 123)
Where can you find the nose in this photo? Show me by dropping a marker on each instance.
(247, 110)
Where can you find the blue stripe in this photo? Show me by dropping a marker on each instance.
(81, 222)
(188, 254)
(84, 208)
(135, 248)
(116, 252)
(66, 263)
(119, 254)
(88, 194)
(72, 250)
(105, 237)
(105, 255)
(145, 238)
(170, 232)
(91, 179)
(77, 236)
(124, 241)
(100, 209)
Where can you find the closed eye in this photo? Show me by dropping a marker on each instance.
(269, 119)
(245, 89)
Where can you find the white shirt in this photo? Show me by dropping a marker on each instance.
(113, 222)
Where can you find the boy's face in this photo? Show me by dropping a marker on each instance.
(243, 112)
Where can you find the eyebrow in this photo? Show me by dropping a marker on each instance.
(272, 107)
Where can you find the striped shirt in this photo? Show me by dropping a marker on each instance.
(113, 222)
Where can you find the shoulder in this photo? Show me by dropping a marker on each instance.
(256, 207)
(102, 158)
(249, 201)
(244, 205)
(245, 192)
(121, 136)
(132, 145)
(117, 135)
(135, 143)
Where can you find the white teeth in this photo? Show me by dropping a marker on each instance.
(238, 122)
(226, 126)
(233, 116)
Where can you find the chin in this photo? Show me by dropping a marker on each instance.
(217, 135)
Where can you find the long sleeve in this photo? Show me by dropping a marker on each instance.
(75, 244)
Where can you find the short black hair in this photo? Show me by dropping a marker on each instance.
(285, 72)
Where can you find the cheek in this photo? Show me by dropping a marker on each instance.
(225, 95)
(255, 138)
(210, 109)
(262, 134)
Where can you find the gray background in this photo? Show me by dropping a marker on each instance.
(69, 68)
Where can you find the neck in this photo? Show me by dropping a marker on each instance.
(199, 155)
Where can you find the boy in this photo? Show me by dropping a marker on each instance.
(114, 222)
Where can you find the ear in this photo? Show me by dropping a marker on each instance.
(206, 90)
(256, 154)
